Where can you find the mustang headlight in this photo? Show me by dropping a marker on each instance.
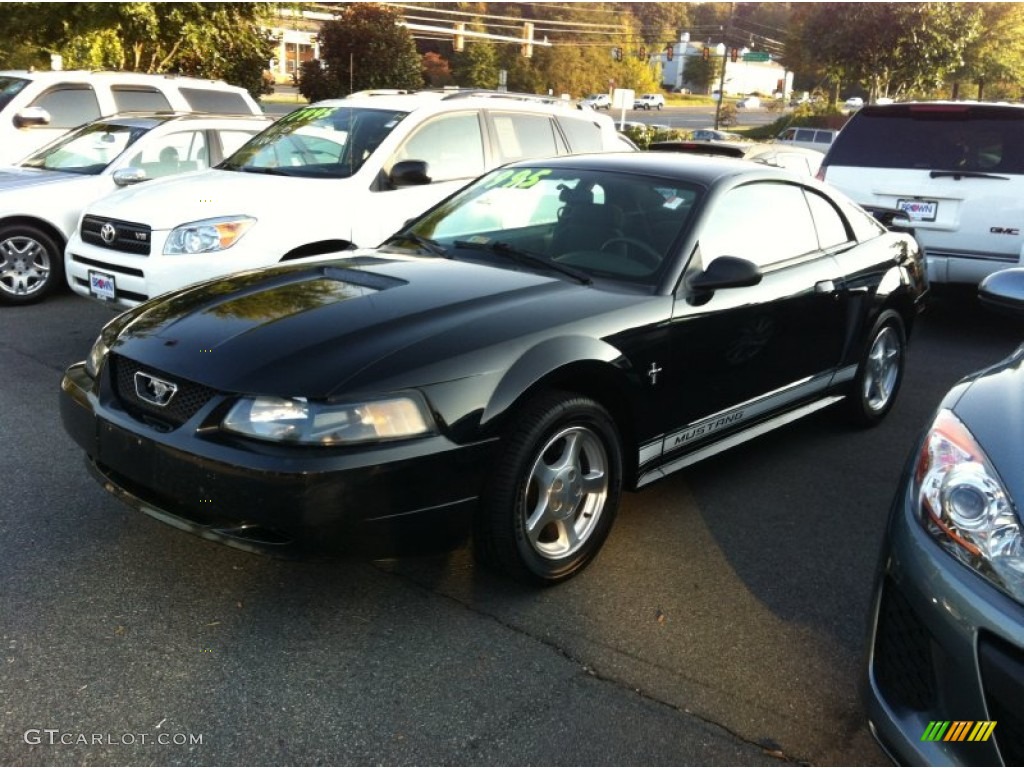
(297, 420)
(966, 507)
(207, 236)
(98, 354)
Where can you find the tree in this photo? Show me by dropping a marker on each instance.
(891, 49)
(217, 40)
(477, 65)
(436, 71)
(996, 55)
(365, 48)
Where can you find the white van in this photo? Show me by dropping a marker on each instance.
(955, 169)
(332, 176)
(819, 139)
(38, 107)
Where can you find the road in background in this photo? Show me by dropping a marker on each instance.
(724, 622)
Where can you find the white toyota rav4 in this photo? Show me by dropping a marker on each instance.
(332, 176)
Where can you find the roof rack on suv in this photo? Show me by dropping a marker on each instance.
(484, 92)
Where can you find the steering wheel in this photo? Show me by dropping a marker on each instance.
(648, 257)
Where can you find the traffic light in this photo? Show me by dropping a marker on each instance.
(617, 54)
(458, 39)
(642, 53)
(669, 51)
(526, 48)
(706, 53)
(734, 54)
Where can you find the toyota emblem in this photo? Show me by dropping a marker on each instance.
(108, 233)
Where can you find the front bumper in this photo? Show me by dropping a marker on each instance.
(375, 501)
(946, 646)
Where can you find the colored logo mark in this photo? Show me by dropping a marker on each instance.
(958, 730)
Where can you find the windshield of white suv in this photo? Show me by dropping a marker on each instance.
(9, 87)
(324, 142)
(88, 150)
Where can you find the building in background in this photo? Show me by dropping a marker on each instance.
(752, 72)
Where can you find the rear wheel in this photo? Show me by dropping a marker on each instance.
(879, 373)
(31, 264)
(555, 492)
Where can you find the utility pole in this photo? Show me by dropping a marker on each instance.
(725, 56)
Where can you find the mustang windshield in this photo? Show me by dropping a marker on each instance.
(613, 225)
(327, 142)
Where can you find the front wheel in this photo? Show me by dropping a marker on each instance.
(31, 264)
(554, 494)
(879, 373)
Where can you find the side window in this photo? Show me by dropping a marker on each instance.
(583, 135)
(788, 135)
(823, 137)
(174, 153)
(765, 223)
(232, 140)
(139, 99)
(523, 137)
(830, 225)
(452, 146)
(805, 134)
(209, 100)
(69, 105)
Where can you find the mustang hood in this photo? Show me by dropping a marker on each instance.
(362, 322)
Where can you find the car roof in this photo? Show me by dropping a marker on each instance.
(157, 118)
(704, 147)
(703, 169)
(906, 107)
(432, 100)
(82, 74)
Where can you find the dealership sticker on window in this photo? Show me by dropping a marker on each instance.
(919, 210)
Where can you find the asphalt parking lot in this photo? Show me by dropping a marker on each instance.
(723, 623)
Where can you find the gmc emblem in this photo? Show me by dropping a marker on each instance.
(1004, 231)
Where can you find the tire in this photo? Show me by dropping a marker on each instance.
(553, 496)
(880, 372)
(31, 264)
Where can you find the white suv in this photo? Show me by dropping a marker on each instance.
(38, 107)
(649, 101)
(328, 177)
(955, 169)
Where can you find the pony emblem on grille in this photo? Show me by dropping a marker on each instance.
(153, 390)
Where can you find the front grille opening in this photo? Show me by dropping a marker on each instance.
(186, 402)
(904, 666)
(1002, 678)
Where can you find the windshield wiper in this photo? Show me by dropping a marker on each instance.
(967, 175)
(431, 246)
(525, 257)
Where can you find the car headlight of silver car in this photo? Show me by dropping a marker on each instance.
(298, 420)
(966, 507)
(207, 236)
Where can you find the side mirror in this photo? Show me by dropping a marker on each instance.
(1003, 291)
(727, 272)
(409, 173)
(125, 177)
(31, 116)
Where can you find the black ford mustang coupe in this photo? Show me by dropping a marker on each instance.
(554, 333)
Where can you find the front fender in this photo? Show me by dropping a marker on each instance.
(541, 361)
